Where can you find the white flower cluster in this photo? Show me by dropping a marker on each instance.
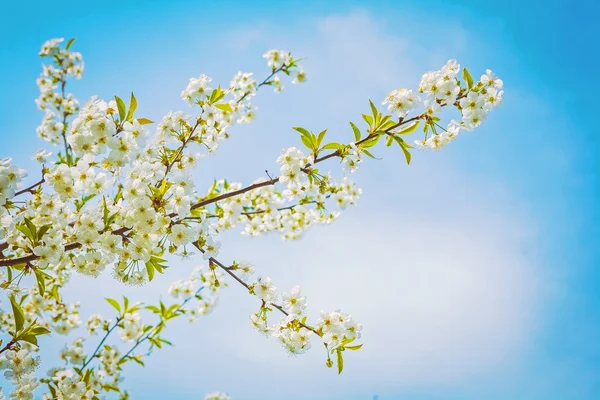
(19, 366)
(401, 101)
(96, 323)
(53, 100)
(443, 88)
(197, 89)
(10, 181)
(266, 209)
(70, 386)
(336, 329)
(48, 310)
(282, 60)
(292, 171)
(352, 159)
(74, 354)
(131, 329)
(202, 286)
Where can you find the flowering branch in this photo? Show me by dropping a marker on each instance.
(123, 197)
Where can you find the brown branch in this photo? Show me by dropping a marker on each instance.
(14, 261)
(244, 284)
(30, 188)
(9, 345)
(234, 193)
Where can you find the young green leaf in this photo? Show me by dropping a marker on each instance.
(144, 121)
(224, 106)
(320, 138)
(407, 154)
(307, 141)
(332, 146)
(69, 43)
(301, 130)
(150, 269)
(18, 314)
(340, 361)
(357, 347)
(39, 330)
(409, 129)
(356, 131)
(121, 107)
(375, 113)
(132, 107)
(41, 281)
(32, 228)
(467, 77)
(114, 303)
(29, 338)
(370, 155)
(26, 231)
(372, 141)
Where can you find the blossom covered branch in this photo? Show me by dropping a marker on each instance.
(120, 195)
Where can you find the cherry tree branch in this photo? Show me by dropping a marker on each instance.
(101, 343)
(15, 261)
(30, 188)
(8, 346)
(244, 284)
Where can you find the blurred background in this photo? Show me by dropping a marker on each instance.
(474, 270)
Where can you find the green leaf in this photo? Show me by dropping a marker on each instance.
(18, 314)
(86, 377)
(216, 95)
(26, 231)
(301, 130)
(368, 119)
(307, 142)
(404, 146)
(320, 137)
(69, 43)
(375, 112)
(32, 228)
(369, 154)
(357, 347)
(154, 309)
(29, 338)
(41, 281)
(340, 361)
(409, 129)
(372, 141)
(114, 303)
(108, 386)
(144, 121)
(121, 107)
(467, 77)
(39, 330)
(150, 270)
(42, 231)
(407, 154)
(356, 131)
(137, 359)
(332, 146)
(224, 106)
(132, 107)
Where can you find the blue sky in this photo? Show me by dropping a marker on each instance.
(482, 280)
